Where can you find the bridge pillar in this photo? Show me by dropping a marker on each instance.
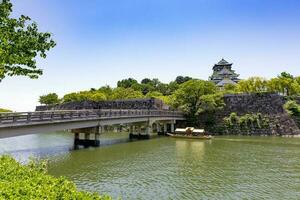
(165, 127)
(172, 127)
(131, 129)
(149, 128)
(159, 129)
(87, 141)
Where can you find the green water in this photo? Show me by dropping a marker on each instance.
(168, 168)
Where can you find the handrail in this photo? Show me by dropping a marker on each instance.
(69, 115)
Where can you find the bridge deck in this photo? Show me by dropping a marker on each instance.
(21, 123)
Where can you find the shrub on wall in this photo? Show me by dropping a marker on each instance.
(292, 108)
(246, 121)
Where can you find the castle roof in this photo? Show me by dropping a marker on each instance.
(223, 62)
(225, 71)
(225, 82)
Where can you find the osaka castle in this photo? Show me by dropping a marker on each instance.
(223, 74)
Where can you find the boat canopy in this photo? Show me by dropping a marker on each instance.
(184, 130)
(198, 131)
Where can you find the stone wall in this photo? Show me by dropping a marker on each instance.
(270, 105)
(147, 103)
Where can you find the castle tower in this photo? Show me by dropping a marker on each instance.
(223, 74)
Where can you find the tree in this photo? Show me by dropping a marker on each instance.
(163, 88)
(285, 84)
(49, 99)
(145, 88)
(71, 97)
(298, 80)
(172, 87)
(107, 90)
(4, 110)
(230, 88)
(187, 97)
(127, 83)
(126, 93)
(97, 96)
(210, 103)
(182, 79)
(146, 81)
(20, 44)
(154, 94)
(252, 84)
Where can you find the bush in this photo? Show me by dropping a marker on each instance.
(246, 121)
(292, 108)
(32, 182)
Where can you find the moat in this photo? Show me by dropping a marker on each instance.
(231, 167)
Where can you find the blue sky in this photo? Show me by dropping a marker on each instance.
(102, 41)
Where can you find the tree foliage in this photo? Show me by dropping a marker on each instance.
(49, 99)
(247, 121)
(84, 96)
(126, 83)
(210, 103)
(182, 79)
(188, 96)
(20, 44)
(292, 108)
(284, 84)
(125, 93)
(4, 110)
(252, 85)
(31, 181)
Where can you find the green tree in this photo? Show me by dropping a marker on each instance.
(187, 97)
(252, 84)
(127, 83)
(4, 110)
(298, 80)
(182, 79)
(146, 81)
(285, 84)
(49, 99)
(154, 94)
(147, 88)
(20, 44)
(210, 103)
(172, 87)
(71, 97)
(126, 93)
(97, 96)
(230, 89)
(107, 90)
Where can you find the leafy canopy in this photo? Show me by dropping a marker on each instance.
(188, 96)
(49, 99)
(20, 44)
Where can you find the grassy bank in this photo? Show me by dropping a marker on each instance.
(31, 181)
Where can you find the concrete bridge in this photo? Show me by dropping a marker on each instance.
(88, 122)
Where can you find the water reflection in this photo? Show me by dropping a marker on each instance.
(190, 147)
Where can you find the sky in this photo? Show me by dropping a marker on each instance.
(102, 41)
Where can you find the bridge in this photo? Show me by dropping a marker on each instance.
(88, 122)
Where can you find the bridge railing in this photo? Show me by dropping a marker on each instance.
(69, 115)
